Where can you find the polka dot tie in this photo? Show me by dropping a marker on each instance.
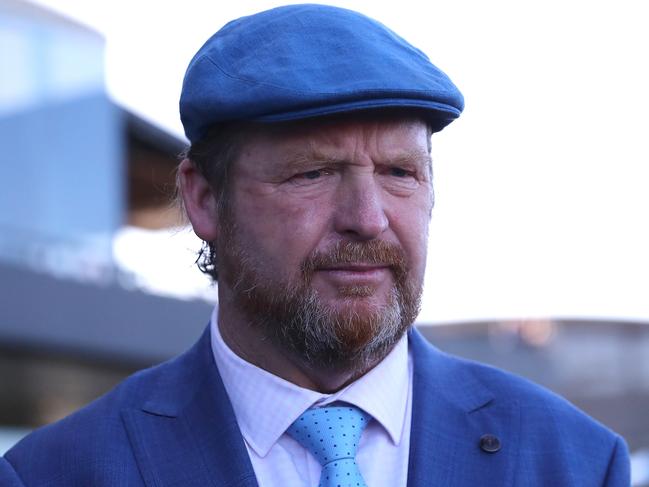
(332, 435)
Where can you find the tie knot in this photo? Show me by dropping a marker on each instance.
(330, 433)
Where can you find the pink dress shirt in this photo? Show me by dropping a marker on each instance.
(265, 406)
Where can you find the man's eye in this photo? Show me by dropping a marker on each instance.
(315, 174)
(311, 175)
(399, 172)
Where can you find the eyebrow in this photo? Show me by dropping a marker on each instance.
(302, 158)
(412, 157)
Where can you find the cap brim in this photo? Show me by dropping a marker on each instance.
(439, 114)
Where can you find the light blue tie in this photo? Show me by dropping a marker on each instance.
(332, 435)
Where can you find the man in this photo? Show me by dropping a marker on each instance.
(309, 178)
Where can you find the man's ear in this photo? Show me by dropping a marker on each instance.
(199, 200)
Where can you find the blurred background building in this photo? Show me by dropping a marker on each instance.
(96, 269)
(86, 188)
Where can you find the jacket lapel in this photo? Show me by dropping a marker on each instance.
(452, 411)
(186, 433)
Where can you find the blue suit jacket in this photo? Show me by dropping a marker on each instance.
(173, 425)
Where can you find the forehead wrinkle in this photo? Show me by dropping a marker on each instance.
(332, 153)
(306, 158)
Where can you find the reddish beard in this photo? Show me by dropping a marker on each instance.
(353, 336)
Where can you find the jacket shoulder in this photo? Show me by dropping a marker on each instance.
(91, 446)
(463, 380)
(535, 401)
(553, 433)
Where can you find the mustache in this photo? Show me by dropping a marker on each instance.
(374, 252)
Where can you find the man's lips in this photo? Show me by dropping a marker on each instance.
(354, 274)
(353, 267)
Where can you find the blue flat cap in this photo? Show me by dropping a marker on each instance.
(305, 61)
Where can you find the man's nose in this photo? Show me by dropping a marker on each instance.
(360, 212)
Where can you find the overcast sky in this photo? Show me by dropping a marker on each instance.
(542, 199)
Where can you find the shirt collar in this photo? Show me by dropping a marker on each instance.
(382, 392)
